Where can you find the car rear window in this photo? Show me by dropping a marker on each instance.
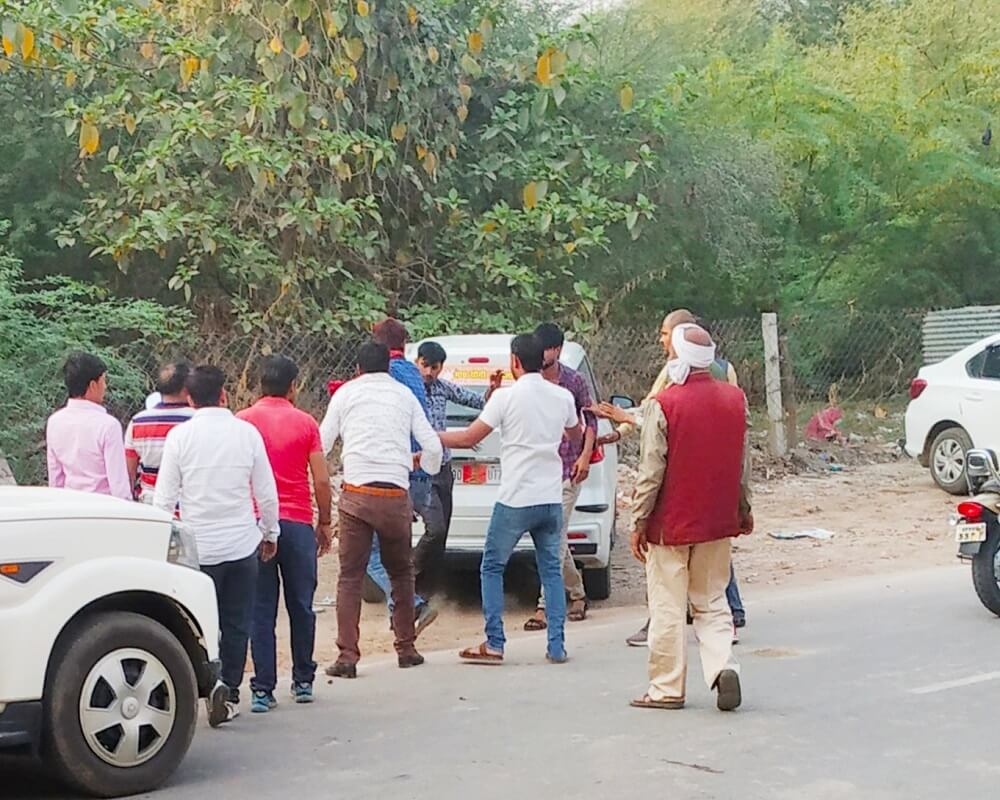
(460, 416)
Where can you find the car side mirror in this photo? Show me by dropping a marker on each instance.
(622, 401)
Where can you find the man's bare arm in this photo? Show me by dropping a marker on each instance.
(467, 438)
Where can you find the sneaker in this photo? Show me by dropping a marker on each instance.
(302, 692)
(729, 693)
(218, 705)
(640, 638)
(262, 702)
(736, 634)
(426, 615)
(559, 658)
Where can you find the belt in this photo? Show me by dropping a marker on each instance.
(376, 491)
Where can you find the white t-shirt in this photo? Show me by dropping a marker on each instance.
(531, 417)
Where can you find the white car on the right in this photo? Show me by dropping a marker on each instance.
(955, 406)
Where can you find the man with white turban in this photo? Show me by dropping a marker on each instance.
(691, 498)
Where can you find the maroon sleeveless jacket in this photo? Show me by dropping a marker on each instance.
(700, 496)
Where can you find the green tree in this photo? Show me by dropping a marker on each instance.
(40, 323)
(321, 162)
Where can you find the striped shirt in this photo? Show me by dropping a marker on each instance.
(144, 441)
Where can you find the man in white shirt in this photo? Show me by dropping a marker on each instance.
(375, 416)
(216, 466)
(532, 416)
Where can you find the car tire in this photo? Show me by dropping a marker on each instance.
(597, 583)
(947, 460)
(133, 651)
(986, 571)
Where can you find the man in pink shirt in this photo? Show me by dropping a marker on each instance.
(86, 450)
(292, 440)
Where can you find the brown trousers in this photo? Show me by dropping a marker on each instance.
(360, 516)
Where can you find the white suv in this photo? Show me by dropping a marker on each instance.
(110, 636)
(471, 360)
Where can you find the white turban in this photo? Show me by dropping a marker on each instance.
(689, 355)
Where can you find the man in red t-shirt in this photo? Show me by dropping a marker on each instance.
(293, 445)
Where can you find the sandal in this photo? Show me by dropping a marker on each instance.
(648, 702)
(481, 655)
(537, 622)
(578, 614)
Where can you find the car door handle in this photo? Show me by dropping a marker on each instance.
(974, 397)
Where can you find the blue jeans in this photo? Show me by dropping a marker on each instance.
(507, 526)
(292, 570)
(733, 596)
(420, 493)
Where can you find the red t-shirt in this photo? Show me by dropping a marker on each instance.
(290, 436)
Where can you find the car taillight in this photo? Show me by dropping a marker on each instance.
(576, 535)
(917, 387)
(479, 360)
(971, 512)
(597, 456)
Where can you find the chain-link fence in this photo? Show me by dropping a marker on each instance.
(825, 356)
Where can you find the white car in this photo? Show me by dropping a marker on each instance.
(471, 360)
(955, 406)
(109, 637)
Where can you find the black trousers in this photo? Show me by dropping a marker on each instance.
(428, 556)
(236, 592)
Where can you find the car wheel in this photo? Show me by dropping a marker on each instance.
(597, 583)
(947, 460)
(120, 705)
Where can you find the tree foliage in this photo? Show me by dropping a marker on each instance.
(475, 164)
(41, 322)
(322, 161)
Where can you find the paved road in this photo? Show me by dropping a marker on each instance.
(867, 689)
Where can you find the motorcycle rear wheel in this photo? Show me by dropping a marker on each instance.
(986, 572)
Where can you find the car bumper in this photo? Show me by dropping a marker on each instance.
(589, 543)
(21, 725)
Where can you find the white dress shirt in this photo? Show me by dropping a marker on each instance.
(375, 415)
(215, 465)
(532, 416)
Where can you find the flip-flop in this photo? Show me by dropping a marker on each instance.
(480, 655)
(580, 614)
(648, 702)
(535, 624)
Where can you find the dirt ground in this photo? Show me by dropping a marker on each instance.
(885, 517)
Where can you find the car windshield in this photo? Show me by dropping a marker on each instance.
(461, 416)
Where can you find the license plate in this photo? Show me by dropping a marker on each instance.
(970, 532)
(476, 474)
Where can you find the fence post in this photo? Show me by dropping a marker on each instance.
(772, 374)
(788, 395)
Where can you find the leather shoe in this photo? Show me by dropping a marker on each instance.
(410, 660)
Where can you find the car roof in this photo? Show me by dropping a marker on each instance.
(41, 502)
(493, 346)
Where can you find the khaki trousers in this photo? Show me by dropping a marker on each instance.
(572, 579)
(675, 575)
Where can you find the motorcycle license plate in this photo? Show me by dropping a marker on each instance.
(970, 532)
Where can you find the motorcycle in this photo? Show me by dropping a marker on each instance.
(976, 525)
